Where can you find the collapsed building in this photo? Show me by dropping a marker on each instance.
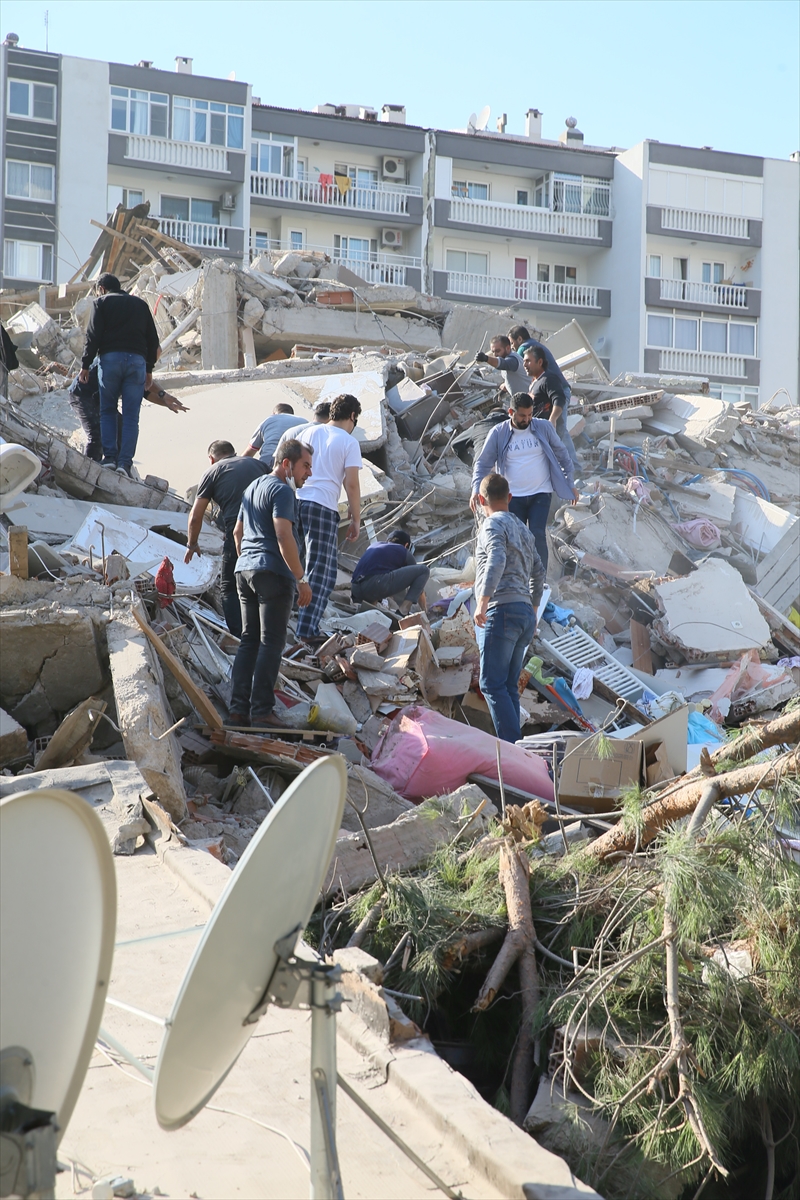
(671, 620)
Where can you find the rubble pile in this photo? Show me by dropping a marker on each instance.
(662, 684)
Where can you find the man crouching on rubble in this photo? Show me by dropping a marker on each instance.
(509, 580)
(267, 571)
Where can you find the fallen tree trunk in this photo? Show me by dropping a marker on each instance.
(784, 729)
(469, 943)
(684, 801)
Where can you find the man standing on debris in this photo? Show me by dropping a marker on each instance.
(264, 441)
(509, 581)
(268, 573)
(390, 569)
(522, 342)
(504, 359)
(84, 400)
(122, 333)
(224, 483)
(528, 452)
(337, 462)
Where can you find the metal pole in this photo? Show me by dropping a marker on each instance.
(326, 1183)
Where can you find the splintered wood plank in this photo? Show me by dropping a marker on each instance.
(198, 698)
(18, 551)
(640, 645)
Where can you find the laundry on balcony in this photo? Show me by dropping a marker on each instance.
(343, 184)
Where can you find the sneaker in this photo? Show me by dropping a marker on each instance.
(124, 471)
(108, 462)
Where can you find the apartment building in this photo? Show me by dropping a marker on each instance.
(674, 259)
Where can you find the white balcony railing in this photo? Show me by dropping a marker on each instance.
(194, 233)
(564, 295)
(376, 268)
(690, 220)
(724, 295)
(695, 362)
(526, 220)
(387, 199)
(177, 154)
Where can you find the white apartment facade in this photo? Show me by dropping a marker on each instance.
(674, 259)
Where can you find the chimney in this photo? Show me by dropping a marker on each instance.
(533, 125)
(145, 62)
(12, 40)
(502, 122)
(183, 65)
(571, 136)
(393, 114)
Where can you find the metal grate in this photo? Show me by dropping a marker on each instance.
(574, 648)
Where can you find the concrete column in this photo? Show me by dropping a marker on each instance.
(219, 335)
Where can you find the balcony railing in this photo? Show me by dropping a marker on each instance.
(725, 295)
(695, 362)
(194, 233)
(526, 220)
(564, 295)
(374, 268)
(177, 154)
(387, 199)
(690, 220)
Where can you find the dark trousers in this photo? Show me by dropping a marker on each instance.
(405, 584)
(503, 641)
(231, 607)
(533, 511)
(266, 602)
(87, 410)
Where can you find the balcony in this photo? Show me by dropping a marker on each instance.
(223, 238)
(177, 154)
(523, 221)
(377, 268)
(703, 226)
(568, 297)
(385, 200)
(697, 362)
(682, 294)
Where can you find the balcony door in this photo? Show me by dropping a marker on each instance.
(520, 279)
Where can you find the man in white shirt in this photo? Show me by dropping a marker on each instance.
(337, 462)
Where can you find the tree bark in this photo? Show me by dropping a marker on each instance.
(684, 801)
(785, 728)
(469, 943)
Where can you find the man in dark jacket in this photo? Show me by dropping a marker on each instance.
(390, 569)
(122, 333)
(8, 359)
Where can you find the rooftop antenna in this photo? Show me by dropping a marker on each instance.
(483, 118)
(58, 914)
(47, 30)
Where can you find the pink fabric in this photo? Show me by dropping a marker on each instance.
(424, 753)
(743, 677)
(701, 533)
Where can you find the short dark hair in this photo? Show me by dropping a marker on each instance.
(501, 337)
(494, 487)
(283, 408)
(521, 400)
(399, 537)
(109, 282)
(519, 331)
(323, 409)
(221, 449)
(536, 352)
(293, 450)
(345, 406)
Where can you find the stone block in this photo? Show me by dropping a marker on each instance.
(52, 660)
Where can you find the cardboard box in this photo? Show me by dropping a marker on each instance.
(594, 784)
(672, 731)
(656, 764)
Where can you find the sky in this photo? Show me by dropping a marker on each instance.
(720, 73)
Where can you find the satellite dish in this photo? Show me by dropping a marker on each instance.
(472, 123)
(245, 958)
(58, 913)
(483, 117)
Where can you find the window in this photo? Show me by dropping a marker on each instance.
(734, 394)
(541, 192)
(360, 177)
(715, 337)
(713, 272)
(127, 197)
(680, 268)
(654, 266)
(543, 273)
(685, 333)
(360, 249)
(274, 155)
(297, 239)
(34, 100)
(659, 331)
(565, 274)
(522, 196)
(30, 181)
(145, 113)
(463, 190)
(28, 260)
(567, 193)
(208, 122)
(261, 240)
(742, 339)
(175, 207)
(466, 261)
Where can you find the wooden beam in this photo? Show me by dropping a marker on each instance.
(115, 233)
(162, 237)
(640, 645)
(198, 698)
(630, 710)
(18, 551)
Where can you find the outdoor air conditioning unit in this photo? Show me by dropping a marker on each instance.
(391, 237)
(227, 201)
(394, 168)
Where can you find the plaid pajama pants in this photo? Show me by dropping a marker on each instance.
(318, 528)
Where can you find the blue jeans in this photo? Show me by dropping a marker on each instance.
(266, 604)
(503, 641)
(406, 583)
(121, 375)
(533, 511)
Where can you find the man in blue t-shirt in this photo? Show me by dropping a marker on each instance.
(390, 569)
(268, 572)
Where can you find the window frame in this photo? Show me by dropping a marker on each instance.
(565, 267)
(31, 85)
(702, 320)
(158, 100)
(278, 141)
(18, 162)
(468, 254)
(651, 258)
(44, 276)
(712, 271)
(466, 184)
(211, 109)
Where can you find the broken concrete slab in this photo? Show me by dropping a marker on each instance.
(220, 340)
(710, 612)
(376, 800)
(336, 328)
(13, 739)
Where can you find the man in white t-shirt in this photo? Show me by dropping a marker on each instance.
(337, 462)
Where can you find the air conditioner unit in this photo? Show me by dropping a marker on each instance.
(227, 201)
(394, 168)
(391, 237)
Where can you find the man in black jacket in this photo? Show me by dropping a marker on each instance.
(122, 333)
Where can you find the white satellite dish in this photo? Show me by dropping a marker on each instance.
(471, 123)
(58, 913)
(245, 961)
(483, 117)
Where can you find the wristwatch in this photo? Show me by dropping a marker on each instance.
(303, 580)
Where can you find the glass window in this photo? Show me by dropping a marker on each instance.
(462, 189)
(175, 207)
(715, 337)
(659, 331)
(567, 191)
(205, 212)
(685, 334)
(654, 266)
(44, 102)
(565, 274)
(35, 100)
(296, 239)
(273, 157)
(522, 196)
(181, 119)
(743, 339)
(210, 123)
(541, 192)
(19, 105)
(680, 268)
(30, 181)
(543, 273)
(477, 264)
(456, 260)
(713, 272)
(28, 260)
